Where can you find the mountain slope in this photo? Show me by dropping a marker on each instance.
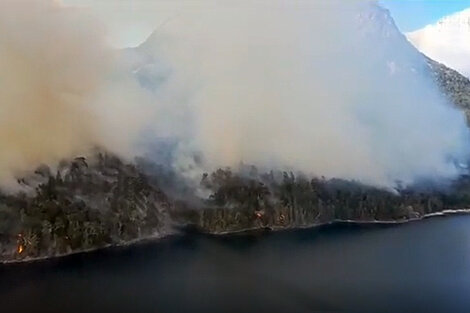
(86, 204)
(93, 202)
(453, 84)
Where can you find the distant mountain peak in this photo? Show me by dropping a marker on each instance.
(379, 20)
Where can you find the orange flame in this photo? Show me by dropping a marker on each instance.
(20, 249)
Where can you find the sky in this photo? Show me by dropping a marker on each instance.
(414, 14)
(131, 21)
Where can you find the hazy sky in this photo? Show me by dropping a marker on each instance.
(131, 21)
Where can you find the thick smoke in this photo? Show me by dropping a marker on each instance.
(60, 94)
(323, 87)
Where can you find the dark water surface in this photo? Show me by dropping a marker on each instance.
(418, 267)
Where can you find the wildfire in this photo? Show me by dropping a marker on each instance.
(20, 248)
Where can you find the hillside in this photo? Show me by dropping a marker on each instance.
(453, 84)
(100, 200)
(88, 203)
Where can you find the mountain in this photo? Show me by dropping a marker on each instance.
(452, 84)
(446, 49)
(100, 200)
(374, 23)
(446, 41)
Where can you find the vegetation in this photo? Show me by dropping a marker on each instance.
(81, 207)
(278, 200)
(453, 84)
(100, 201)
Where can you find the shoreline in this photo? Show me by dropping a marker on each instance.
(447, 212)
(108, 246)
(444, 213)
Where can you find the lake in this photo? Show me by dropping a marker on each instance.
(417, 267)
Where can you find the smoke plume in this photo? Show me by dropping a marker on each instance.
(324, 87)
(57, 77)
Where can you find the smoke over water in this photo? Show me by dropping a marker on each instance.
(324, 87)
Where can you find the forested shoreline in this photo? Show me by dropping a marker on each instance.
(98, 201)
